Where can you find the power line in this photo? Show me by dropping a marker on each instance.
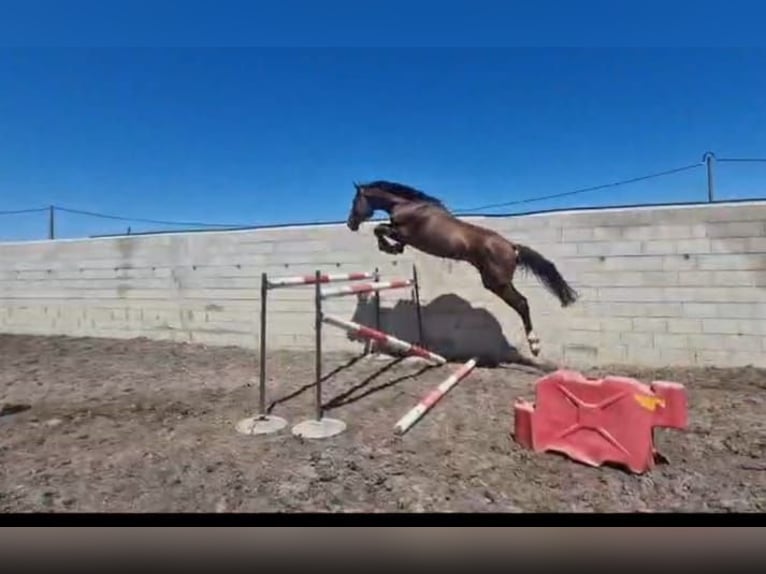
(21, 211)
(149, 221)
(584, 189)
(742, 159)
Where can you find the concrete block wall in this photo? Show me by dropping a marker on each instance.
(658, 286)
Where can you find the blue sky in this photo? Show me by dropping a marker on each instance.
(236, 134)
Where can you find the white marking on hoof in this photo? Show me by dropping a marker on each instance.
(534, 343)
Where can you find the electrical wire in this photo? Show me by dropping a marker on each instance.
(21, 211)
(143, 220)
(583, 190)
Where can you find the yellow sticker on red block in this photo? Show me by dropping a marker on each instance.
(649, 402)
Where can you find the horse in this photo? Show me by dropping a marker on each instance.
(423, 222)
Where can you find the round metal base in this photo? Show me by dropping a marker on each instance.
(261, 424)
(323, 428)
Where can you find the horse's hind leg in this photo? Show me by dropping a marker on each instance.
(516, 300)
(508, 293)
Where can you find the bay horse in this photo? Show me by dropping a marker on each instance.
(424, 223)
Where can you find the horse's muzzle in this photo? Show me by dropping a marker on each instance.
(352, 225)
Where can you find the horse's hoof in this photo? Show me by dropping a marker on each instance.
(534, 344)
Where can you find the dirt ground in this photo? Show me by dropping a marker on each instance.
(139, 426)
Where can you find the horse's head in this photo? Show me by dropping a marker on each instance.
(361, 209)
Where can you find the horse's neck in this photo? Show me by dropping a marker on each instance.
(381, 201)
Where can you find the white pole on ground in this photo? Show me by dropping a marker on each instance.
(425, 404)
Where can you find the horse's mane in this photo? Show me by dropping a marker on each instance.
(405, 191)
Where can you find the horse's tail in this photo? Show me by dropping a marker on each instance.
(547, 273)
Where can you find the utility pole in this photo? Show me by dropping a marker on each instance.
(709, 159)
(51, 222)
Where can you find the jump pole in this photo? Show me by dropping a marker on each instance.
(362, 288)
(264, 423)
(320, 426)
(384, 339)
(428, 401)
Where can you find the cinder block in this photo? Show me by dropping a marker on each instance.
(631, 294)
(629, 278)
(307, 246)
(701, 310)
(757, 244)
(736, 278)
(577, 234)
(597, 339)
(639, 232)
(694, 278)
(731, 245)
(615, 324)
(637, 340)
(643, 356)
(754, 326)
(556, 251)
(684, 325)
(659, 247)
(712, 294)
(609, 234)
(659, 309)
(609, 248)
(671, 341)
(680, 263)
(634, 263)
(692, 246)
(649, 324)
(658, 278)
(728, 310)
(677, 231)
(736, 229)
(750, 211)
(533, 236)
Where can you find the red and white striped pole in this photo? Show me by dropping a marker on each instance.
(366, 288)
(325, 278)
(384, 339)
(433, 397)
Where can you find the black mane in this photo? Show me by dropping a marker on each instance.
(405, 191)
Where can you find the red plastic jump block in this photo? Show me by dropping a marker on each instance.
(597, 421)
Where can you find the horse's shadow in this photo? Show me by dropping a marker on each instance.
(451, 327)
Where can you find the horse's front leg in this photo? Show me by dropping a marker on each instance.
(388, 240)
